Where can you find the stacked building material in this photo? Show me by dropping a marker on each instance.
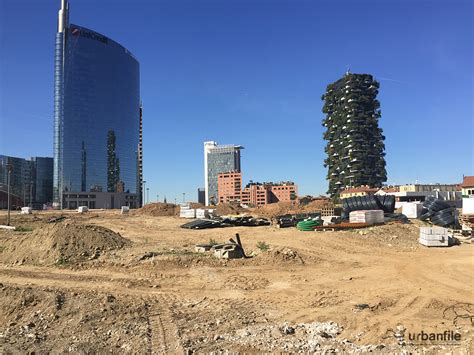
(204, 224)
(218, 222)
(412, 209)
(341, 226)
(395, 218)
(204, 213)
(386, 203)
(309, 224)
(246, 221)
(186, 211)
(435, 237)
(367, 216)
(291, 220)
(439, 212)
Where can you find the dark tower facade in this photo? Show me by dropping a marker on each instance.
(355, 144)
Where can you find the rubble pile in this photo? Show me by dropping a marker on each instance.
(47, 320)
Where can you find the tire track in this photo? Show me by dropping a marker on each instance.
(162, 330)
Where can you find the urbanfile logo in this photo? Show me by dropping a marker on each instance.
(446, 337)
(90, 35)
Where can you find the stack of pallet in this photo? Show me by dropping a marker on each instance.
(366, 216)
(435, 237)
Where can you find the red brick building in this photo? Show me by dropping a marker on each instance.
(229, 187)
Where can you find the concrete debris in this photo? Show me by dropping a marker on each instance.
(303, 337)
(231, 250)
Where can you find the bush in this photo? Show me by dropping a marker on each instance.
(263, 246)
(212, 241)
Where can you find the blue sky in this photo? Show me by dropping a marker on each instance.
(252, 73)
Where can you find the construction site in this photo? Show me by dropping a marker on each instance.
(143, 282)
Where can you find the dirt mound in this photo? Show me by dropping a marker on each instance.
(227, 208)
(281, 208)
(274, 209)
(59, 244)
(196, 205)
(315, 205)
(158, 209)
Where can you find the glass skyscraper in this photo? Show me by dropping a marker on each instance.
(218, 159)
(96, 115)
(31, 181)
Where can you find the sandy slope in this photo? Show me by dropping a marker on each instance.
(182, 300)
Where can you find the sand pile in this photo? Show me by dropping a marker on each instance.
(158, 209)
(274, 209)
(227, 208)
(59, 244)
(315, 205)
(282, 208)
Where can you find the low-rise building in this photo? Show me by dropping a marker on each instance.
(358, 191)
(99, 199)
(254, 194)
(467, 186)
(427, 187)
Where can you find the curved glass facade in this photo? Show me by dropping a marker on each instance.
(97, 113)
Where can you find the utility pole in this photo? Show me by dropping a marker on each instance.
(184, 197)
(31, 195)
(157, 198)
(9, 169)
(147, 194)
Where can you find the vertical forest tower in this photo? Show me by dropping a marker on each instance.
(355, 148)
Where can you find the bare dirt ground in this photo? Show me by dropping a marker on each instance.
(144, 289)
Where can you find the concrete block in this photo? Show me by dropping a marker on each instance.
(228, 251)
(445, 242)
(434, 230)
(26, 210)
(467, 205)
(412, 209)
(82, 209)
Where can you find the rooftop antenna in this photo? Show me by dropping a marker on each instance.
(63, 16)
(348, 70)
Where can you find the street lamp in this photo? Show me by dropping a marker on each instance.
(143, 197)
(147, 194)
(184, 197)
(157, 198)
(9, 169)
